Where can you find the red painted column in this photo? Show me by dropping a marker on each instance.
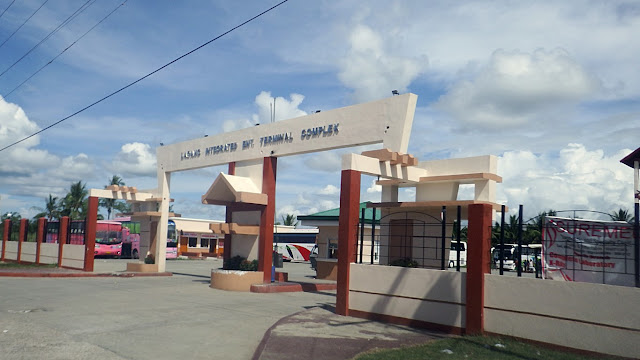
(267, 217)
(5, 237)
(39, 237)
(62, 237)
(226, 255)
(478, 264)
(90, 234)
(23, 234)
(347, 233)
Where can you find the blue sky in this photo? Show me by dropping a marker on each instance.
(549, 87)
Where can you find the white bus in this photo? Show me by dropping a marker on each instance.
(453, 253)
(509, 256)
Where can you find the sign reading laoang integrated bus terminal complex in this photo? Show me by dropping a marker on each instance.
(387, 121)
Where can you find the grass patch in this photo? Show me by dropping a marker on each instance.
(12, 265)
(474, 347)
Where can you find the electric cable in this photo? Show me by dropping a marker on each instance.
(146, 76)
(67, 48)
(5, 10)
(20, 27)
(68, 20)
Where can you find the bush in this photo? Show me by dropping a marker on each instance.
(239, 263)
(404, 262)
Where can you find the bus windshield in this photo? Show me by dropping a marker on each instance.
(108, 237)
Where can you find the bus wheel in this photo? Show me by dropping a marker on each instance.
(134, 254)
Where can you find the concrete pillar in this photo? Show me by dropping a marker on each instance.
(23, 234)
(62, 237)
(478, 264)
(40, 237)
(5, 237)
(90, 234)
(347, 232)
(267, 215)
(226, 255)
(162, 226)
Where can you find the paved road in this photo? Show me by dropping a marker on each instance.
(141, 317)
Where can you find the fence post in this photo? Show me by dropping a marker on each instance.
(373, 235)
(5, 236)
(39, 236)
(458, 232)
(90, 234)
(22, 236)
(501, 251)
(519, 262)
(636, 240)
(362, 234)
(347, 226)
(62, 237)
(444, 236)
(478, 264)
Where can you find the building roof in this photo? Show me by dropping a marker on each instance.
(629, 159)
(334, 214)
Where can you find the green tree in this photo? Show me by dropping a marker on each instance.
(110, 204)
(75, 202)
(51, 209)
(289, 220)
(15, 218)
(622, 215)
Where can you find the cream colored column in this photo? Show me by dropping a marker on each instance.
(164, 180)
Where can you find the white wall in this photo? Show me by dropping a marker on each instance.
(593, 317)
(432, 296)
(49, 253)
(28, 252)
(73, 256)
(11, 253)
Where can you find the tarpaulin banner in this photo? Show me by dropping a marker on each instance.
(588, 251)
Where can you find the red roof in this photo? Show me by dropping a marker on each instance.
(629, 159)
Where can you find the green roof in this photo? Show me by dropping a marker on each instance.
(334, 214)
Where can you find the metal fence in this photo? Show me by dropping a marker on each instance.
(412, 239)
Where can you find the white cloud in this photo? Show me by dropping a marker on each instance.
(284, 109)
(135, 159)
(329, 190)
(573, 178)
(327, 161)
(515, 87)
(371, 71)
(374, 188)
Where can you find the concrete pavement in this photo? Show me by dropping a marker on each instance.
(178, 317)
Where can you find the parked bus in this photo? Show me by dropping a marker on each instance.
(131, 242)
(509, 256)
(75, 235)
(109, 238)
(453, 253)
(294, 244)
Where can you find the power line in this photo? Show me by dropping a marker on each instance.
(5, 10)
(67, 48)
(146, 76)
(68, 20)
(20, 27)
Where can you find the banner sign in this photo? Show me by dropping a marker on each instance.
(588, 251)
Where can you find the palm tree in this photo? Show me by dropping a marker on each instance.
(622, 215)
(74, 203)
(51, 209)
(110, 204)
(289, 220)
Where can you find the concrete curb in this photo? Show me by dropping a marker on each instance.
(278, 287)
(77, 275)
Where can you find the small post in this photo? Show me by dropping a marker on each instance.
(501, 250)
(444, 237)
(458, 231)
(373, 233)
(519, 263)
(362, 234)
(636, 240)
